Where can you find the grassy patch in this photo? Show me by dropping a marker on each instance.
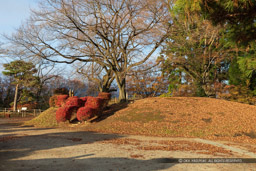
(141, 116)
(198, 133)
(170, 132)
(46, 119)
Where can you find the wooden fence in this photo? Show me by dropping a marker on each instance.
(19, 113)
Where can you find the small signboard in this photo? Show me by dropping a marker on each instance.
(24, 108)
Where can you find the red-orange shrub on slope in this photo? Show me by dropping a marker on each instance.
(74, 101)
(104, 95)
(65, 113)
(84, 99)
(60, 101)
(85, 113)
(94, 102)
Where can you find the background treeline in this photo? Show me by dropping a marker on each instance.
(35, 90)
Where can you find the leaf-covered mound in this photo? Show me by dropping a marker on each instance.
(183, 117)
(45, 119)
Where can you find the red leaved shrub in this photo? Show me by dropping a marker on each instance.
(74, 101)
(104, 95)
(85, 113)
(93, 107)
(65, 113)
(84, 99)
(94, 102)
(60, 101)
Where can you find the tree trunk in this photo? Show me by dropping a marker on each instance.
(122, 91)
(38, 97)
(15, 98)
(122, 94)
(104, 88)
(200, 92)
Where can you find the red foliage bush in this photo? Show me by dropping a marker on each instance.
(95, 102)
(104, 95)
(65, 113)
(85, 113)
(84, 99)
(74, 101)
(60, 100)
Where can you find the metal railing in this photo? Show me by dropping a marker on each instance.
(19, 113)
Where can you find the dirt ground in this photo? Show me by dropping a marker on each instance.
(30, 148)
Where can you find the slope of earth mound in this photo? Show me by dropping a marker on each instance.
(183, 117)
(45, 119)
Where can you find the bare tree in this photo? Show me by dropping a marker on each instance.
(116, 34)
(101, 76)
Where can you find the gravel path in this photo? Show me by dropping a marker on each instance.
(29, 148)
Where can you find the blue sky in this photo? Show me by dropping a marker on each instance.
(13, 12)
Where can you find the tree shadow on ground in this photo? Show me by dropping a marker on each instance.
(66, 150)
(6, 130)
(16, 126)
(88, 162)
(21, 146)
(17, 121)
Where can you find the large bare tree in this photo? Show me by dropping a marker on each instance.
(95, 73)
(116, 34)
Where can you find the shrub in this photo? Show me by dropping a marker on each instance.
(74, 101)
(60, 100)
(65, 113)
(84, 99)
(94, 102)
(86, 113)
(104, 95)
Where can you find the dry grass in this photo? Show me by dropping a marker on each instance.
(172, 117)
(46, 119)
(169, 145)
(183, 117)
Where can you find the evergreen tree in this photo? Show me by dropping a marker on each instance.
(236, 76)
(236, 16)
(197, 48)
(23, 74)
